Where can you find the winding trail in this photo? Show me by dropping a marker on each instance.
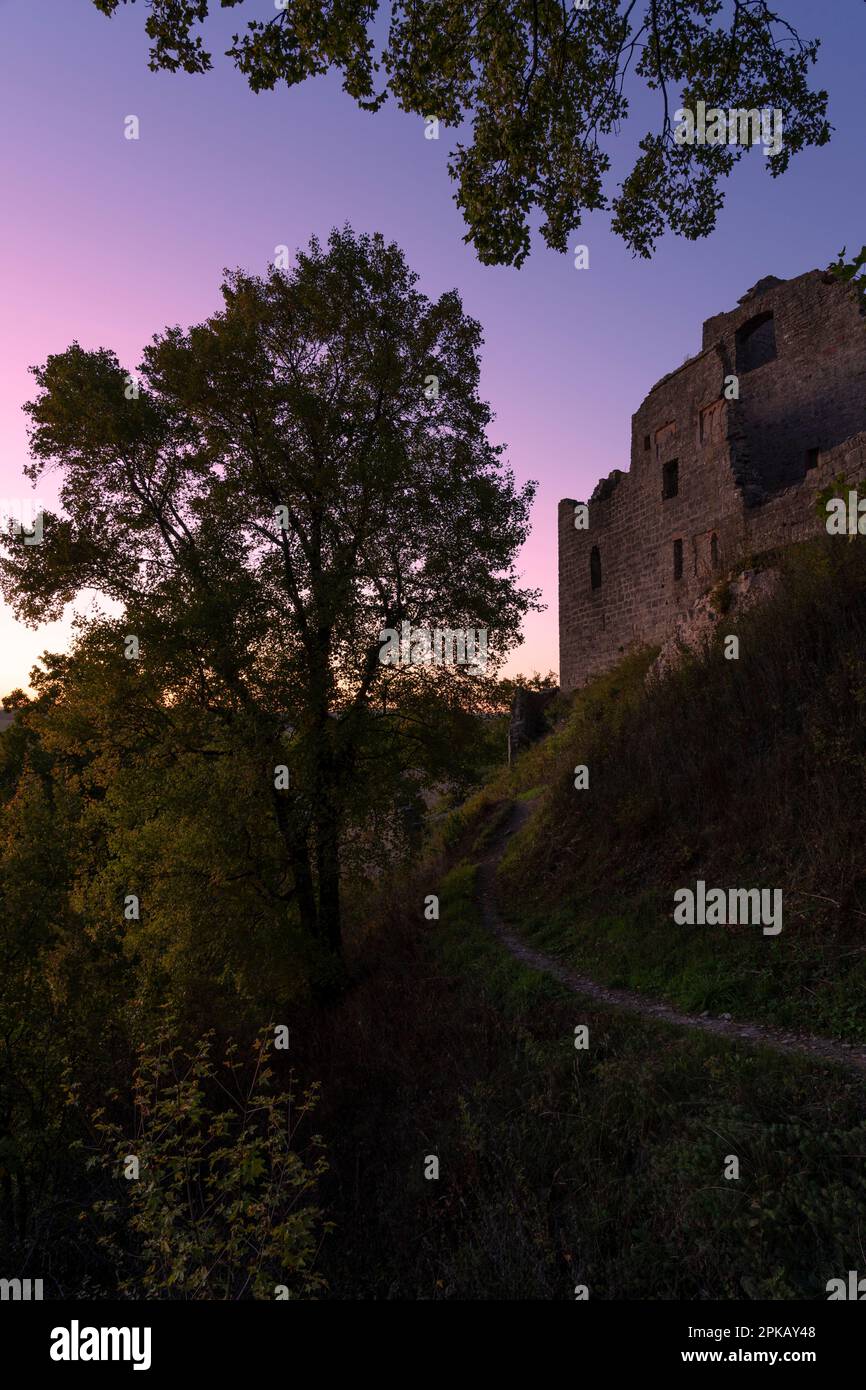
(760, 1035)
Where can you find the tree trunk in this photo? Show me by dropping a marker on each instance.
(299, 858)
(328, 872)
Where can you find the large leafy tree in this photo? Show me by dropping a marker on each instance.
(269, 493)
(545, 85)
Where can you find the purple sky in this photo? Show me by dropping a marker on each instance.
(107, 240)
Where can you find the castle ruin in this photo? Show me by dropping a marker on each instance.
(714, 480)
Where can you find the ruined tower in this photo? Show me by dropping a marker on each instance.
(727, 455)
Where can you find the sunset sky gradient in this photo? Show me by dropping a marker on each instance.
(107, 241)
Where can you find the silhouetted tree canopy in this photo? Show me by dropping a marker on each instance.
(543, 87)
(273, 490)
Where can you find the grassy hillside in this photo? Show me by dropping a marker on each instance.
(743, 773)
(558, 1167)
(606, 1167)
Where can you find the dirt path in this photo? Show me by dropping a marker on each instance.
(820, 1049)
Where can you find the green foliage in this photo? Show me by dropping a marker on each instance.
(604, 704)
(508, 686)
(58, 1020)
(549, 1155)
(281, 492)
(221, 1208)
(98, 803)
(774, 802)
(852, 272)
(148, 857)
(545, 87)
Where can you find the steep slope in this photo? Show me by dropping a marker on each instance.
(739, 773)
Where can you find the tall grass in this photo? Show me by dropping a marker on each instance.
(746, 772)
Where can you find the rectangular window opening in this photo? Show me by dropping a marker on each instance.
(595, 568)
(671, 478)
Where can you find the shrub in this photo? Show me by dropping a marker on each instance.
(220, 1208)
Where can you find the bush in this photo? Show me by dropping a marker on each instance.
(215, 1199)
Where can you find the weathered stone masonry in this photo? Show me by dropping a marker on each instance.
(714, 480)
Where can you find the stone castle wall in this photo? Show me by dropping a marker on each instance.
(740, 475)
